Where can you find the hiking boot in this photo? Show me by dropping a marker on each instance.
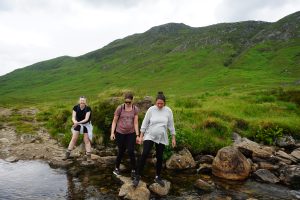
(67, 155)
(116, 172)
(133, 174)
(159, 181)
(136, 181)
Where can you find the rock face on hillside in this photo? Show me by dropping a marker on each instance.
(231, 164)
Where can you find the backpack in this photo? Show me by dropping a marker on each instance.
(133, 108)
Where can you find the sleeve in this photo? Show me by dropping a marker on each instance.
(75, 108)
(171, 123)
(89, 109)
(118, 111)
(146, 121)
(136, 110)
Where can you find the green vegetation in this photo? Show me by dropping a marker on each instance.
(232, 77)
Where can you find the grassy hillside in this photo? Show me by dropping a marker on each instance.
(174, 57)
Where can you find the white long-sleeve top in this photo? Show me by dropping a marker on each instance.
(156, 123)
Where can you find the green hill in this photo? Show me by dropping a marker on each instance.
(175, 58)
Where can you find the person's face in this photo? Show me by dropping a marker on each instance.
(82, 101)
(128, 101)
(160, 103)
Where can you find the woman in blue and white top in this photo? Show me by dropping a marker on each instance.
(158, 119)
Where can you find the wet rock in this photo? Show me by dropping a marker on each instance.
(231, 164)
(268, 166)
(87, 164)
(182, 160)
(12, 159)
(204, 168)
(4, 140)
(127, 191)
(106, 161)
(286, 142)
(296, 154)
(265, 175)
(208, 159)
(59, 163)
(252, 149)
(203, 185)
(290, 175)
(159, 190)
(286, 156)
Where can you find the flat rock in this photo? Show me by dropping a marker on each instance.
(296, 154)
(252, 149)
(265, 175)
(284, 155)
(159, 190)
(59, 163)
(182, 160)
(4, 140)
(203, 185)
(12, 159)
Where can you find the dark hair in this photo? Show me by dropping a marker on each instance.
(128, 95)
(161, 96)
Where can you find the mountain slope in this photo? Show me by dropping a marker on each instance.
(173, 57)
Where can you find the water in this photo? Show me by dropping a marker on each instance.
(36, 180)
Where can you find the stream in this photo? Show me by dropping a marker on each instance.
(37, 180)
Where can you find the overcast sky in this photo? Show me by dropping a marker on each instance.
(37, 30)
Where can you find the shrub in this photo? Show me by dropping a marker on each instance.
(268, 135)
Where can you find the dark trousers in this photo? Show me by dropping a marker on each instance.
(159, 148)
(126, 141)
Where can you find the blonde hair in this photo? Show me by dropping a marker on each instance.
(85, 99)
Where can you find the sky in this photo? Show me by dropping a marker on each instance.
(35, 30)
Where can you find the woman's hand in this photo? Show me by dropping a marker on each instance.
(112, 136)
(173, 141)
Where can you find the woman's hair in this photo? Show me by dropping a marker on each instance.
(128, 95)
(83, 97)
(161, 96)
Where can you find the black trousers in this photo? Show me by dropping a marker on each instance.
(126, 141)
(159, 148)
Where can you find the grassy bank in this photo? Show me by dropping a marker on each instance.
(204, 122)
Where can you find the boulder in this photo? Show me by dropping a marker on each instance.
(290, 175)
(204, 168)
(12, 159)
(296, 154)
(231, 164)
(182, 160)
(159, 190)
(252, 149)
(286, 142)
(286, 156)
(203, 185)
(208, 159)
(265, 175)
(127, 191)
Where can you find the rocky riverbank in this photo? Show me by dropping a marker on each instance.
(245, 160)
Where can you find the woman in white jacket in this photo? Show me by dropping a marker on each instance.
(157, 120)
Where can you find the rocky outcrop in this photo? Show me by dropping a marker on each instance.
(286, 142)
(252, 149)
(231, 164)
(182, 160)
(159, 190)
(265, 175)
(290, 175)
(127, 191)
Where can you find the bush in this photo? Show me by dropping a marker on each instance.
(268, 135)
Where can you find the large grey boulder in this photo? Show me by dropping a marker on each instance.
(265, 175)
(182, 160)
(231, 164)
(290, 175)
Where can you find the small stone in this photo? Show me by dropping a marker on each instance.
(203, 185)
(11, 159)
